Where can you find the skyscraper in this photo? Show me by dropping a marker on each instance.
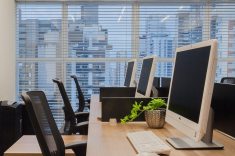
(231, 46)
(158, 41)
(226, 46)
(89, 14)
(87, 39)
(189, 28)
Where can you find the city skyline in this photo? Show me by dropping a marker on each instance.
(84, 34)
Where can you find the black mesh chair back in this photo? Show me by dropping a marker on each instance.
(81, 97)
(47, 133)
(68, 110)
(74, 123)
(229, 80)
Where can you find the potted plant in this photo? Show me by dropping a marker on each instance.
(155, 112)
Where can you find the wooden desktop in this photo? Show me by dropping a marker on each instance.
(109, 139)
(28, 145)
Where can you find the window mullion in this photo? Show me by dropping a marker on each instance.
(206, 22)
(135, 30)
(64, 39)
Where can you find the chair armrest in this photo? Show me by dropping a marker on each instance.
(79, 147)
(82, 113)
(82, 116)
(82, 128)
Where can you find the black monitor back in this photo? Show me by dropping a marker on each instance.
(145, 76)
(129, 72)
(162, 85)
(223, 103)
(165, 82)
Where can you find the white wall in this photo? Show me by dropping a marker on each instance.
(7, 50)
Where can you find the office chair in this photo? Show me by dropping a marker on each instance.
(47, 133)
(230, 80)
(74, 121)
(81, 98)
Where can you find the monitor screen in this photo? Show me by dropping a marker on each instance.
(129, 71)
(144, 76)
(188, 82)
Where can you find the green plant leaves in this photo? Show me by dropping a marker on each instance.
(155, 104)
(135, 112)
(125, 119)
(138, 108)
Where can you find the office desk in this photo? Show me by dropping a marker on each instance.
(105, 139)
(28, 145)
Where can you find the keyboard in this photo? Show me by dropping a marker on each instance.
(148, 142)
(147, 154)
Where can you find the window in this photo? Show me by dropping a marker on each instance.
(94, 40)
(164, 27)
(61, 39)
(222, 28)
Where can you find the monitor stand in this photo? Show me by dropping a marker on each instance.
(186, 143)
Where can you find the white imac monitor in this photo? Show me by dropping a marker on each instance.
(130, 73)
(146, 77)
(191, 92)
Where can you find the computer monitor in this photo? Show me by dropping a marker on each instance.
(130, 73)
(146, 77)
(190, 93)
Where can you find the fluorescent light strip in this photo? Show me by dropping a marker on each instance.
(122, 12)
(165, 18)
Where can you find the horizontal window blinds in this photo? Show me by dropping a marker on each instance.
(90, 40)
(164, 26)
(95, 39)
(222, 27)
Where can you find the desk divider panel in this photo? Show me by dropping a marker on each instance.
(223, 104)
(117, 92)
(118, 107)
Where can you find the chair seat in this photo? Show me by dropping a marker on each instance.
(228, 80)
(79, 148)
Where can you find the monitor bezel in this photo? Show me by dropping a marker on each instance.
(150, 80)
(189, 127)
(132, 81)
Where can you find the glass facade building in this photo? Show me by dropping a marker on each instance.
(94, 40)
